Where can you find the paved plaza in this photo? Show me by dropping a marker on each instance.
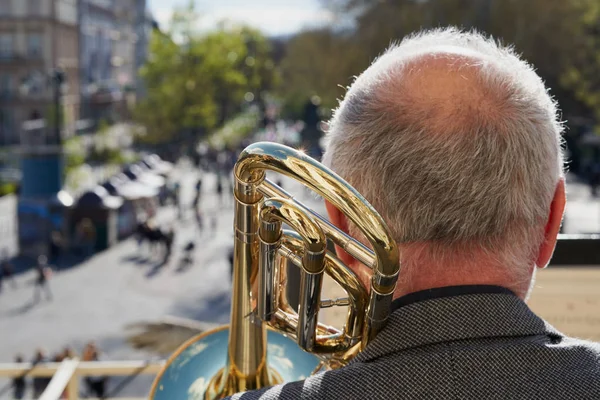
(98, 298)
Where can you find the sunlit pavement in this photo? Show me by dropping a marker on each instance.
(97, 299)
(583, 210)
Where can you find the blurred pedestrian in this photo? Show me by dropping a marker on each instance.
(96, 385)
(41, 283)
(68, 353)
(18, 383)
(39, 383)
(141, 232)
(7, 270)
(199, 219)
(188, 256)
(198, 193)
(219, 190)
(177, 199)
(196, 202)
(169, 238)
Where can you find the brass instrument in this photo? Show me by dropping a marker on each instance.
(298, 345)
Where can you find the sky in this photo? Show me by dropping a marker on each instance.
(273, 17)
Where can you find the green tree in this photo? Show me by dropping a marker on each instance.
(318, 62)
(580, 74)
(197, 81)
(560, 38)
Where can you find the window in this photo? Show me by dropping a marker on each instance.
(34, 83)
(35, 7)
(34, 45)
(6, 45)
(5, 7)
(5, 86)
(6, 127)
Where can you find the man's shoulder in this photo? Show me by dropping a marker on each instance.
(434, 371)
(581, 349)
(325, 385)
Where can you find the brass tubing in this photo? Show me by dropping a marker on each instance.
(308, 310)
(297, 217)
(382, 285)
(247, 350)
(275, 157)
(353, 247)
(269, 234)
(379, 303)
(290, 247)
(267, 301)
(313, 261)
(247, 339)
(329, 340)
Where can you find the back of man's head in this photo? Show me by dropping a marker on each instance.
(455, 141)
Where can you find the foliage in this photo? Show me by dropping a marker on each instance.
(560, 38)
(318, 62)
(197, 81)
(74, 153)
(7, 188)
(581, 75)
(235, 130)
(106, 147)
(78, 177)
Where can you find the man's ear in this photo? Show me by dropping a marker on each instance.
(337, 218)
(557, 209)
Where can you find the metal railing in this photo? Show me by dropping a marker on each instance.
(67, 374)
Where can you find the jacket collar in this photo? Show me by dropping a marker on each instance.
(470, 314)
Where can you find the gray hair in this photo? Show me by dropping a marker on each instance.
(478, 170)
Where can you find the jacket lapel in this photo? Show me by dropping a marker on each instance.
(454, 318)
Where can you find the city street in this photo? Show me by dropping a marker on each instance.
(98, 298)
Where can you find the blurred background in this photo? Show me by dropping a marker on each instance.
(120, 121)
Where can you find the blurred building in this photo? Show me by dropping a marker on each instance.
(36, 36)
(144, 26)
(98, 34)
(100, 45)
(113, 46)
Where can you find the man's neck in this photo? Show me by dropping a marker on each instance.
(413, 280)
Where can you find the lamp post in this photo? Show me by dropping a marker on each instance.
(57, 78)
(40, 208)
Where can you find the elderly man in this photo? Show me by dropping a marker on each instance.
(455, 141)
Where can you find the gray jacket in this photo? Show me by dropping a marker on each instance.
(470, 342)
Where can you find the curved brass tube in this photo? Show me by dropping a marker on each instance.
(258, 157)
